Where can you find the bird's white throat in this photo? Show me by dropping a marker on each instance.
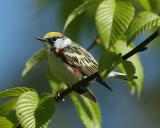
(62, 43)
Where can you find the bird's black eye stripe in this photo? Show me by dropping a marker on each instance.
(52, 40)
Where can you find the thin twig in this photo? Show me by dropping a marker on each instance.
(92, 45)
(142, 46)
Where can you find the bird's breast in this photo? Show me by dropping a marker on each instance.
(62, 71)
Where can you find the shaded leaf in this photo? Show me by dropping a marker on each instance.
(79, 10)
(5, 123)
(136, 84)
(129, 69)
(17, 91)
(144, 21)
(33, 112)
(55, 84)
(7, 106)
(87, 110)
(112, 20)
(57, 69)
(33, 61)
(44, 111)
(107, 62)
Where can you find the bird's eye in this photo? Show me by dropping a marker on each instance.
(54, 38)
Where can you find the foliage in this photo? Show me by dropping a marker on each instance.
(112, 20)
(30, 110)
(33, 61)
(87, 110)
(136, 84)
(118, 23)
(142, 22)
(107, 62)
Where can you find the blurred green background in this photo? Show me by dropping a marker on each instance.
(22, 20)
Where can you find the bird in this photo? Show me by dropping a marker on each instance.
(71, 63)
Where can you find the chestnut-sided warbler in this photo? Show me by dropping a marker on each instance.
(69, 62)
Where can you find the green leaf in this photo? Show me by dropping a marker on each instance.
(150, 5)
(145, 4)
(129, 69)
(112, 20)
(108, 61)
(7, 106)
(17, 91)
(33, 112)
(33, 61)
(25, 108)
(87, 110)
(144, 21)
(121, 47)
(5, 123)
(79, 10)
(55, 84)
(155, 5)
(44, 111)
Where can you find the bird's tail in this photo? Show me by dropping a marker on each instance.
(122, 76)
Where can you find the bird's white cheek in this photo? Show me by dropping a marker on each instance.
(59, 43)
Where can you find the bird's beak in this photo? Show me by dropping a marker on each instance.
(41, 39)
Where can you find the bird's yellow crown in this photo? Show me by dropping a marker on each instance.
(53, 34)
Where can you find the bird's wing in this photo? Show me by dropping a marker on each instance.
(81, 59)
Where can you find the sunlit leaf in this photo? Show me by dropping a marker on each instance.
(26, 105)
(87, 110)
(150, 5)
(79, 10)
(144, 21)
(34, 112)
(145, 4)
(17, 91)
(5, 123)
(112, 20)
(33, 61)
(108, 61)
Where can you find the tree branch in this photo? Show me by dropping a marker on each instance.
(141, 47)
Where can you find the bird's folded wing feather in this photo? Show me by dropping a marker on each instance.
(81, 59)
